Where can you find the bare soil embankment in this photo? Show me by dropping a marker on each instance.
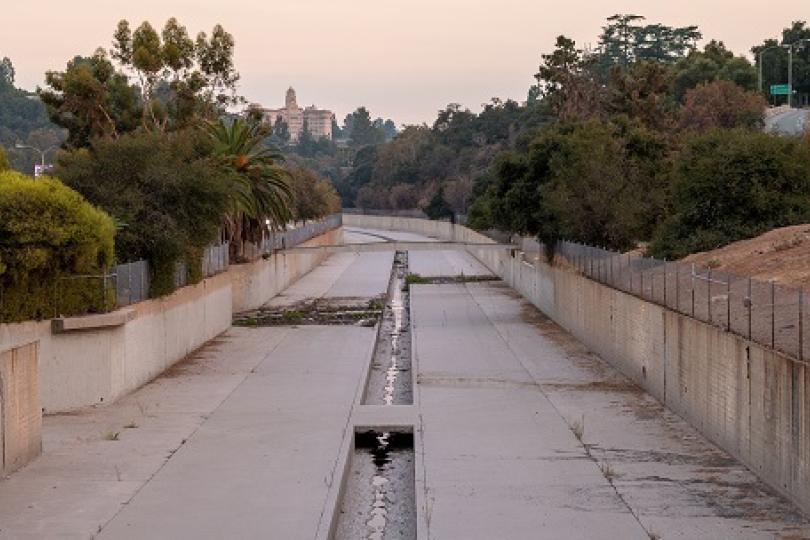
(782, 255)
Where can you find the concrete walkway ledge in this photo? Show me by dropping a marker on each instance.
(119, 317)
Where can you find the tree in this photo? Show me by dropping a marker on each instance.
(362, 129)
(567, 81)
(281, 131)
(722, 104)
(598, 182)
(313, 197)
(4, 164)
(734, 184)
(403, 196)
(179, 83)
(714, 63)
(7, 72)
(91, 99)
(337, 133)
(618, 41)
(624, 41)
(438, 208)
(641, 92)
(390, 129)
(259, 189)
(161, 190)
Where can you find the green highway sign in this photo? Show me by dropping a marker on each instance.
(780, 89)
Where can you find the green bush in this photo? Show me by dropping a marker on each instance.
(166, 196)
(48, 235)
(734, 184)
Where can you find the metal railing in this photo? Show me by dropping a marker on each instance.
(764, 312)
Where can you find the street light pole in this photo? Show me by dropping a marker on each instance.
(41, 153)
(790, 47)
(763, 51)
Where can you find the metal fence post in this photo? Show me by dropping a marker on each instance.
(728, 302)
(641, 278)
(693, 289)
(750, 304)
(801, 325)
(709, 294)
(773, 316)
(630, 275)
(677, 287)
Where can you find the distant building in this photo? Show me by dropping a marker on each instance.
(317, 121)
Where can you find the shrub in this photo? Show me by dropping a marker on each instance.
(48, 232)
(734, 184)
(722, 104)
(165, 194)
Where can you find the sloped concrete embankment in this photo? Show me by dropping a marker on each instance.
(751, 401)
(96, 359)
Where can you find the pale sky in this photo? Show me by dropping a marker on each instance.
(403, 60)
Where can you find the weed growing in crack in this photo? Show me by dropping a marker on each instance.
(112, 435)
(608, 471)
(293, 316)
(578, 427)
(415, 279)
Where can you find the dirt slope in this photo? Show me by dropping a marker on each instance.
(781, 254)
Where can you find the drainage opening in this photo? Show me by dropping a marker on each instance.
(379, 501)
(390, 381)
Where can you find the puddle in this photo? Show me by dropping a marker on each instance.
(379, 502)
(390, 381)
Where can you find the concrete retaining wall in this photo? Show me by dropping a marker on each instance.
(118, 354)
(751, 401)
(20, 413)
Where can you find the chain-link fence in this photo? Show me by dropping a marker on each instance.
(280, 240)
(762, 311)
(129, 283)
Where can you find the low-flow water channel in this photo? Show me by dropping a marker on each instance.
(390, 380)
(378, 503)
(379, 500)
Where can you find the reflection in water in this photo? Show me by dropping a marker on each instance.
(379, 501)
(389, 380)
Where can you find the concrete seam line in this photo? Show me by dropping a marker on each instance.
(550, 402)
(193, 432)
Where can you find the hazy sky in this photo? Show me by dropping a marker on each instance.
(403, 60)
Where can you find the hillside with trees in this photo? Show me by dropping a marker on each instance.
(645, 138)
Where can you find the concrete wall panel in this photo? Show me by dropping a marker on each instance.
(21, 424)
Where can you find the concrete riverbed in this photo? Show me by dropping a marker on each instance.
(518, 432)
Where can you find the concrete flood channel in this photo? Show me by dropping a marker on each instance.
(379, 493)
(379, 497)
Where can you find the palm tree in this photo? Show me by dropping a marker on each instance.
(260, 194)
